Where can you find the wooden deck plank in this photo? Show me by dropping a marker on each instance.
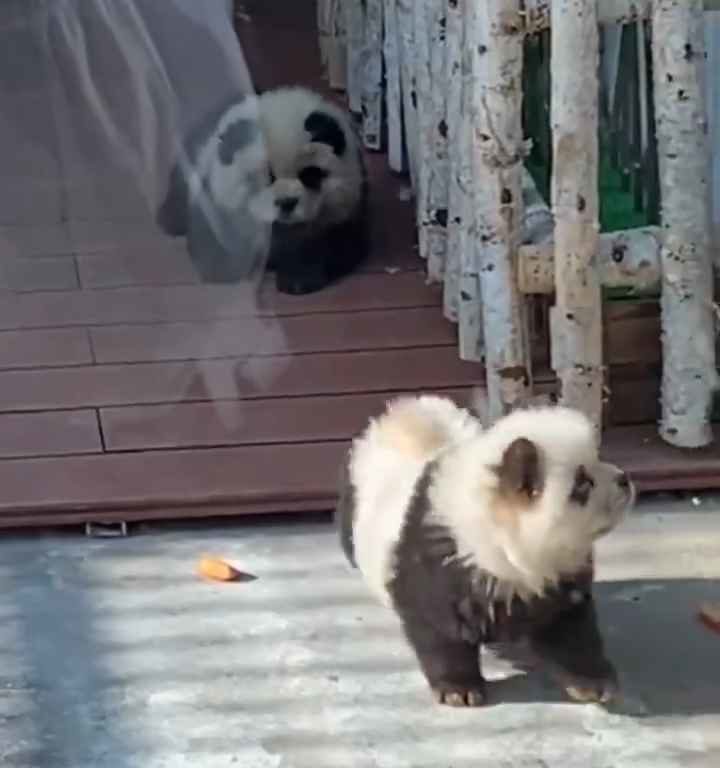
(131, 233)
(255, 422)
(228, 379)
(141, 266)
(248, 479)
(35, 349)
(51, 273)
(341, 332)
(257, 474)
(164, 304)
(53, 433)
(36, 239)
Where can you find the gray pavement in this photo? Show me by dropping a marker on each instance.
(114, 654)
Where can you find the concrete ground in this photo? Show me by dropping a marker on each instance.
(114, 654)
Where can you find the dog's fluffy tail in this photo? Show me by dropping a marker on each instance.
(420, 427)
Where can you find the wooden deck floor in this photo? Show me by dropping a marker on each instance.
(126, 391)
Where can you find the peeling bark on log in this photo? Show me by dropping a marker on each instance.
(538, 12)
(689, 373)
(355, 37)
(337, 48)
(458, 153)
(331, 32)
(408, 82)
(324, 28)
(393, 90)
(470, 315)
(628, 259)
(576, 318)
(436, 212)
(498, 151)
(423, 89)
(471, 332)
(372, 80)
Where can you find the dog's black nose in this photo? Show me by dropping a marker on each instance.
(287, 204)
(623, 481)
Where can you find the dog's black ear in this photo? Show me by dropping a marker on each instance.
(520, 471)
(238, 135)
(325, 129)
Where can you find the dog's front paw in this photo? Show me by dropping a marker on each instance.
(300, 284)
(590, 690)
(452, 695)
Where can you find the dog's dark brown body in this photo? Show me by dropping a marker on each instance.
(449, 609)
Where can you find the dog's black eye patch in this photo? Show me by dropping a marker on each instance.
(583, 485)
(234, 138)
(324, 129)
(312, 177)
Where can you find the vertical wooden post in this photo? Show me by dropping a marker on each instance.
(373, 95)
(471, 334)
(498, 151)
(430, 23)
(393, 90)
(423, 92)
(689, 373)
(576, 318)
(331, 32)
(406, 28)
(355, 36)
(454, 42)
(337, 49)
(440, 169)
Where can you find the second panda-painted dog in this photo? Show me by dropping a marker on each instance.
(477, 536)
(288, 159)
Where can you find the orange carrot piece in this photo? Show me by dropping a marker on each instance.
(710, 616)
(216, 569)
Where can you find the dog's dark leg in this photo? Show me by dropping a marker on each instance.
(301, 279)
(573, 646)
(451, 667)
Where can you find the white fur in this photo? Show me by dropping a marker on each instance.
(529, 548)
(232, 185)
(283, 147)
(282, 116)
(385, 463)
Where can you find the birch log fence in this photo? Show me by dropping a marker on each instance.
(438, 83)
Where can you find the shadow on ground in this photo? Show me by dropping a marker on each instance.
(669, 663)
(114, 654)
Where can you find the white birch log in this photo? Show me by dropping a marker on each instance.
(324, 28)
(408, 85)
(629, 259)
(440, 168)
(423, 94)
(609, 11)
(470, 315)
(498, 151)
(689, 373)
(432, 113)
(355, 37)
(393, 90)
(538, 12)
(576, 318)
(372, 76)
(457, 191)
(337, 48)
